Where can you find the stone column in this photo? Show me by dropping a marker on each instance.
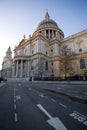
(52, 34)
(13, 69)
(17, 68)
(49, 34)
(21, 72)
(28, 68)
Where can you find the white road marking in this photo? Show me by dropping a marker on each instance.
(53, 100)
(19, 84)
(59, 88)
(42, 95)
(18, 97)
(30, 89)
(54, 122)
(14, 100)
(62, 105)
(79, 117)
(14, 106)
(16, 119)
(44, 111)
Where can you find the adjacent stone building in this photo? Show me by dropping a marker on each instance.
(47, 54)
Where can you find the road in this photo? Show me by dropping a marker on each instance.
(27, 106)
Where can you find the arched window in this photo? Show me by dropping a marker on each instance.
(82, 64)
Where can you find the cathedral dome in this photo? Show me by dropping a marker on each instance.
(48, 28)
(47, 22)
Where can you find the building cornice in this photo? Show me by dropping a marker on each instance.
(79, 34)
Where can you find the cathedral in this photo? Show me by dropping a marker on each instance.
(47, 53)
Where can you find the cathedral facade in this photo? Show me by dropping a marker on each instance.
(47, 54)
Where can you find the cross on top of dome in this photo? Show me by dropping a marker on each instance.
(47, 15)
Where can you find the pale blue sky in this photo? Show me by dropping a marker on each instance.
(19, 17)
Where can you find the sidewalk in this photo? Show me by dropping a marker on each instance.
(61, 82)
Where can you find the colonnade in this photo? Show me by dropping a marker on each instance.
(21, 68)
(50, 33)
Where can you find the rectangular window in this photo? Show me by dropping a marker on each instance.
(46, 65)
(52, 71)
(52, 63)
(82, 64)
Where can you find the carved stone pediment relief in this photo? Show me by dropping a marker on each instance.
(79, 41)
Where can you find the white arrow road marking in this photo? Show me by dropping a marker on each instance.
(54, 122)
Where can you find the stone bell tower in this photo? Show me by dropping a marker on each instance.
(9, 53)
(7, 64)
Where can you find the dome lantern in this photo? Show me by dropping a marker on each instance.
(47, 15)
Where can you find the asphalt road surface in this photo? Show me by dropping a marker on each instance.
(27, 106)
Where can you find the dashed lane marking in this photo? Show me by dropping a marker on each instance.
(59, 88)
(16, 119)
(42, 95)
(29, 89)
(14, 106)
(14, 100)
(19, 84)
(62, 105)
(53, 100)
